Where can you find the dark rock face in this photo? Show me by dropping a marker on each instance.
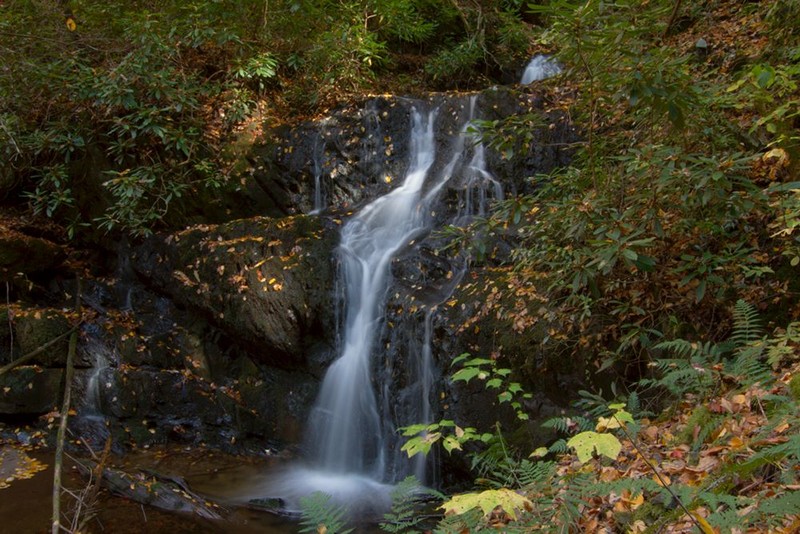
(30, 390)
(21, 253)
(267, 283)
(360, 150)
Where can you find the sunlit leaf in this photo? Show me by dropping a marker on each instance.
(487, 501)
(586, 444)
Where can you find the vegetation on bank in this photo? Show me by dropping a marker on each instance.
(667, 251)
(666, 254)
(114, 113)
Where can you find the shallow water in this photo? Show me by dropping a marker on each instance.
(25, 506)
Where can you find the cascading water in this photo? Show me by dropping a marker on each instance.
(540, 67)
(317, 164)
(346, 425)
(353, 452)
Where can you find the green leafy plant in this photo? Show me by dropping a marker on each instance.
(407, 497)
(319, 514)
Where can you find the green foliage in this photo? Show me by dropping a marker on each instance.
(407, 496)
(588, 444)
(492, 37)
(487, 501)
(147, 96)
(319, 514)
(495, 378)
(423, 437)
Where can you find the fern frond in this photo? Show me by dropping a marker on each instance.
(567, 425)
(456, 524)
(701, 352)
(776, 509)
(746, 324)
(318, 511)
(771, 454)
(558, 447)
(535, 473)
(407, 496)
(749, 367)
(680, 377)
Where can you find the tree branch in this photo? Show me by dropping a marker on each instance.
(23, 359)
(62, 426)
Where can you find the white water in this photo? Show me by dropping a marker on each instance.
(352, 447)
(540, 67)
(346, 425)
(317, 164)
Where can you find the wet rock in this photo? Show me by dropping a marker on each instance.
(30, 390)
(266, 283)
(359, 151)
(34, 327)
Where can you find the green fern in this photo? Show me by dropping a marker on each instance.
(771, 455)
(456, 524)
(681, 348)
(534, 474)
(317, 511)
(406, 499)
(746, 324)
(680, 377)
(569, 425)
(748, 366)
(776, 509)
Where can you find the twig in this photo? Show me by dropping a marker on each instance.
(95, 479)
(658, 475)
(672, 17)
(22, 359)
(62, 426)
(10, 323)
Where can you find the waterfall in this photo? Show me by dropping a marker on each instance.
(540, 67)
(346, 424)
(352, 443)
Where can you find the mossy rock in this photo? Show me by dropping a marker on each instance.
(36, 327)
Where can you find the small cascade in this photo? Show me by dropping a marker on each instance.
(102, 356)
(425, 380)
(540, 67)
(317, 155)
(479, 186)
(91, 421)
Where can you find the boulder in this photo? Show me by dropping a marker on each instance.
(30, 390)
(22, 253)
(266, 283)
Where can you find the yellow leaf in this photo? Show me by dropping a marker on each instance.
(488, 500)
(538, 453)
(70, 22)
(606, 423)
(705, 526)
